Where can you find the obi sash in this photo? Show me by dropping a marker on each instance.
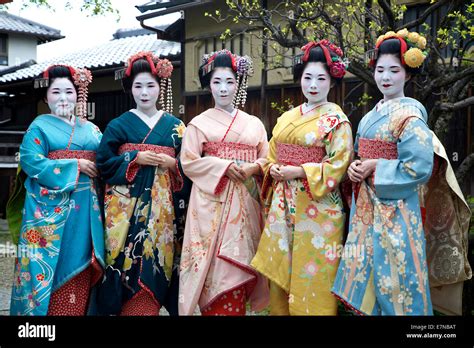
(167, 150)
(376, 148)
(296, 155)
(72, 154)
(230, 151)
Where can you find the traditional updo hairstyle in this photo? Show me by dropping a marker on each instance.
(241, 66)
(324, 52)
(80, 78)
(406, 46)
(160, 69)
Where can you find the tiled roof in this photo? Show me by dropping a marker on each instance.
(112, 53)
(13, 24)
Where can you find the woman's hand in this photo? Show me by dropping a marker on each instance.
(87, 167)
(148, 158)
(283, 173)
(250, 169)
(166, 161)
(235, 173)
(359, 170)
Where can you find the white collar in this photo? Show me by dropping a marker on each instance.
(150, 121)
(70, 121)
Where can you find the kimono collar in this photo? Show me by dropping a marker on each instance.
(411, 105)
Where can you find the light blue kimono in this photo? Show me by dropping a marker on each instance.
(62, 220)
(383, 270)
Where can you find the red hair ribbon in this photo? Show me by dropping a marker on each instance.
(232, 58)
(403, 48)
(140, 55)
(307, 48)
(70, 68)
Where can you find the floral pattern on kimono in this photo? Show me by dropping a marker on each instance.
(225, 219)
(62, 220)
(142, 213)
(384, 268)
(305, 222)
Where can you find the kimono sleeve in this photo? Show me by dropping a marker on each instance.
(177, 180)
(325, 177)
(61, 174)
(398, 178)
(116, 169)
(262, 150)
(267, 178)
(207, 173)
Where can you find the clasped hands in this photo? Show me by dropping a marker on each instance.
(241, 173)
(359, 170)
(281, 172)
(150, 158)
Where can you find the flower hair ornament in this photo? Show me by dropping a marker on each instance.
(159, 67)
(81, 78)
(241, 65)
(412, 57)
(337, 66)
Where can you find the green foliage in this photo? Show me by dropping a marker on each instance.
(90, 7)
(281, 108)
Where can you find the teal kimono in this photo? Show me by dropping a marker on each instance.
(384, 270)
(62, 222)
(144, 212)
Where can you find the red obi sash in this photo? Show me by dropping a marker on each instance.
(230, 151)
(296, 155)
(375, 149)
(167, 150)
(72, 154)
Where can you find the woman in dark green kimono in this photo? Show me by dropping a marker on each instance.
(137, 159)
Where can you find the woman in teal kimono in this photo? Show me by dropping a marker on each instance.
(60, 241)
(387, 264)
(143, 204)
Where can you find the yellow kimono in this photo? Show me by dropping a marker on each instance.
(301, 242)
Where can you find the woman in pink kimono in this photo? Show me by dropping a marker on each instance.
(222, 153)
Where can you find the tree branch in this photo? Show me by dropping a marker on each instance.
(388, 13)
(422, 18)
(456, 106)
(464, 168)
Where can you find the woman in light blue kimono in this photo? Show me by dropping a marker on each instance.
(60, 241)
(387, 265)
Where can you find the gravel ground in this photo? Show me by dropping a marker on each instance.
(6, 269)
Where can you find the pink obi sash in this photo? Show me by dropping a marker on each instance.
(230, 151)
(167, 150)
(296, 155)
(72, 154)
(375, 148)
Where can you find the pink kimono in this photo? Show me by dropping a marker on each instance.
(225, 219)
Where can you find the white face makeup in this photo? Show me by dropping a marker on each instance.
(223, 87)
(390, 76)
(315, 83)
(145, 91)
(61, 97)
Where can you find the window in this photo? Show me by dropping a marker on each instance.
(3, 49)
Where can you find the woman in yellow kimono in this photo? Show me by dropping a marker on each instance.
(310, 151)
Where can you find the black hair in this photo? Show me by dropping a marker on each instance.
(222, 60)
(139, 66)
(54, 72)
(392, 46)
(316, 55)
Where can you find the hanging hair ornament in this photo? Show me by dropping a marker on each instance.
(241, 65)
(82, 78)
(162, 68)
(412, 57)
(337, 66)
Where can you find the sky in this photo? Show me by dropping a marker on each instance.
(81, 31)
